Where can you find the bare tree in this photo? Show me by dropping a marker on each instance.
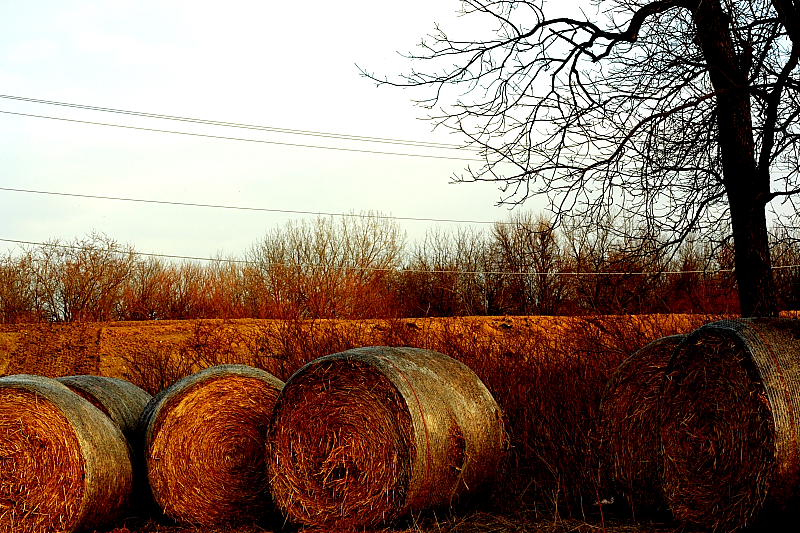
(328, 268)
(678, 114)
(81, 280)
(18, 301)
(145, 290)
(786, 250)
(613, 273)
(527, 247)
(447, 275)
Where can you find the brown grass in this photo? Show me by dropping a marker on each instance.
(205, 440)
(363, 437)
(65, 465)
(54, 349)
(729, 431)
(548, 376)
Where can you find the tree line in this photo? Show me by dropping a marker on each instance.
(361, 267)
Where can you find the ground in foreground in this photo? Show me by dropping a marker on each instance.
(478, 522)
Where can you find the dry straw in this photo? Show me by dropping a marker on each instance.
(205, 439)
(120, 400)
(730, 422)
(64, 465)
(362, 437)
(630, 438)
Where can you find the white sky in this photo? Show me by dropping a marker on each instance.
(287, 64)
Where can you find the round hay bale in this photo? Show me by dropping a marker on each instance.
(204, 442)
(120, 400)
(64, 465)
(123, 402)
(364, 436)
(629, 431)
(730, 422)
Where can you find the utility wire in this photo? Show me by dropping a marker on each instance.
(291, 131)
(244, 208)
(376, 269)
(327, 135)
(123, 252)
(242, 139)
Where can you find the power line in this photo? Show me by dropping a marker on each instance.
(291, 131)
(376, 269)
(122, 252)
(245, 208)
(242, 139)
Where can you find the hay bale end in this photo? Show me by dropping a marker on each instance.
(731, 423)
(629, 430)
(65, 465)
(204, 439)
(365, 436)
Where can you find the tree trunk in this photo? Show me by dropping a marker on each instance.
(747, 191)
(753, 267)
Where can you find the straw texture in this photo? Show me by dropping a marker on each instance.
(205, 437)
(629, 431)
(65, 465)
(120, 400)
(731, 408)
(363, 437)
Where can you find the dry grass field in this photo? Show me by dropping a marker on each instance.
(547, 374)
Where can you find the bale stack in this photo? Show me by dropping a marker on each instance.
(730, 422)
(204, 440)
(629, 432)
(64, 465)
(363, 437)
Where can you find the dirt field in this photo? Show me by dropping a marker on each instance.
(107, 348)
(547, 373)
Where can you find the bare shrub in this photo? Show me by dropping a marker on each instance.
(329, 268)
(155, 365)
(213, 343)
(81, 280)
(18, 302)
(446, 275)
(295, 342)
(147, 291)
(786, 252)
(357, 268)
(530, 250)
(279, 347)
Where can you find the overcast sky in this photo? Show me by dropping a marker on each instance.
(284, 64)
